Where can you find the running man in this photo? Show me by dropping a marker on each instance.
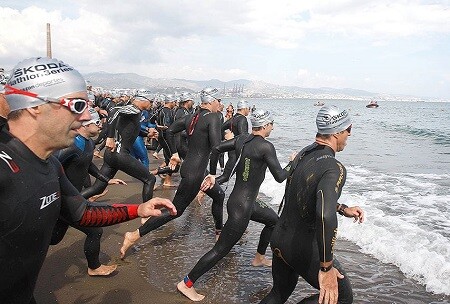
(48, 103)
(124, 125)
(77, 163)
(303, 239)
(203, 130)
(255, 154)
(238, 125)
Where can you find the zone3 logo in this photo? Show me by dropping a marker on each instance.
(47, 200)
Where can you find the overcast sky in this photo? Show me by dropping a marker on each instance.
(397, 47)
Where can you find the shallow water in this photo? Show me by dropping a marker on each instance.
(398, 164)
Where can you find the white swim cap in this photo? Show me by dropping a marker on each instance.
(242, 104)
(170, 98)
(208, 95)
(94, 117)
(260, 118)
(46, 77)
(186, 96)
(331, 120)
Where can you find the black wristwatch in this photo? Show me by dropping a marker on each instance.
(326, 269)
(341, 209)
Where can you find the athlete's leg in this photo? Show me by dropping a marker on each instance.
(134, 168)
(218, 196)
(284, 281)
(107, 170)
(262, 213)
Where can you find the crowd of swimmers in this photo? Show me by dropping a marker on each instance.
(52, 126)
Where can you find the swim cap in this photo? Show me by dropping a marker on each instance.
(170, 98)
(94, 117)
(149, 97)
(186, 96)
(46, 77)
(331, 120)
(260, 118)
(208, 95)
(242, 104)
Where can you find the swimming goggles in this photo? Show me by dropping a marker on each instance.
(75, 105)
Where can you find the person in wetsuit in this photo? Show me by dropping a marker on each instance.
(203, 130)
(123, 128)
(139, 150)
(255, 154)
(46, 111)
(238, 125)
(303, 239)
(4, 110)
(185, 109)
(77, 163)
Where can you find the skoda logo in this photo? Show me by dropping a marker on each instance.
(326, 117)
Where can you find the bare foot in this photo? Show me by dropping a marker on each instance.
(218, 232)
(96, 197)
(200, 197)
(103, 270)
(129, 239)
(97, 154)
(191, 293)
(261, 260)
(155, 155)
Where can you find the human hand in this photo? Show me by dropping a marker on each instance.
(152, 133)
(110, 144)
(292, 156)
(329, 286)
(356, 212)
(174, 161)
(116, 181)
(152, 207)
(208, 182)
(229, 135)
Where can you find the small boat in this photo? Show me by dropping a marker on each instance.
(372, 104)
(319, 103)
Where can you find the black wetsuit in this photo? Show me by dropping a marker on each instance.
(181, 137)
(124, 124)
(165, 119)
(238, 124)
(34, 193)
(203, 130)
(305, 233)
(257, 154)
(77, 162)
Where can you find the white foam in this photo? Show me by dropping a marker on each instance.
(408, 221)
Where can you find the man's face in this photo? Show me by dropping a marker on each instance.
(342, 138)
(215, 105)
(93, 128)
(59, 124)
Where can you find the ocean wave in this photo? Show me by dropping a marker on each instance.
(407, 221)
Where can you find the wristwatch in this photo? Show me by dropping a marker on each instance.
(341, 209)
(326, 269)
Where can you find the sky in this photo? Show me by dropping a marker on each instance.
(389, 47)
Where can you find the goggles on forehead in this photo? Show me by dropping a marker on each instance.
(75, 105)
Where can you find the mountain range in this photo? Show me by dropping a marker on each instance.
(235, 88)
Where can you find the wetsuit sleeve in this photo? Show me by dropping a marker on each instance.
(112, 122)
(273, 164)
(242, 125)
(226, 125)
(214, 131)
(77, 210)
(328, 192)
(228, 145)
(95, 172)
(175, 127)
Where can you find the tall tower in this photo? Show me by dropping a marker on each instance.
(49, 42)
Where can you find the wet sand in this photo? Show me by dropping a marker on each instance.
(152, 268)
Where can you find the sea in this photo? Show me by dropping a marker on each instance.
(398, 170)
